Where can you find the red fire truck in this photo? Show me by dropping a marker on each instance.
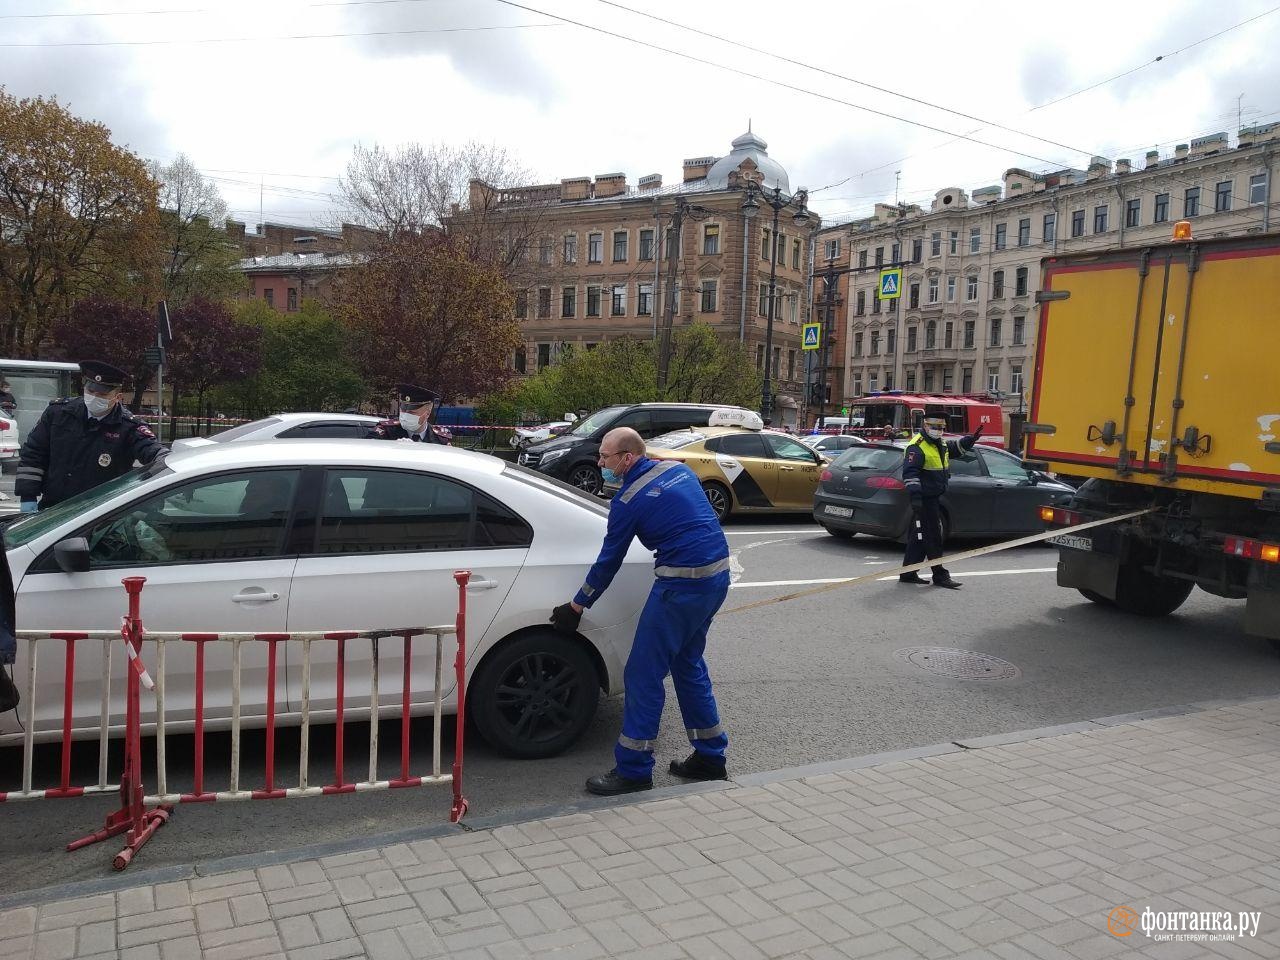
(893, 414)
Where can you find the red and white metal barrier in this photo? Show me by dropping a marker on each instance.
(140, 813)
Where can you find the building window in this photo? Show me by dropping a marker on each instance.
(763, 306)
(857, 386)
(1258, 188)
(644, 300)
(896, 252)
(269, 295)
(764, 244)
(966, 380)
(911, 381)
(862, 258)
(1222, 197)
(522, 304)
(1019, 331)
(1015, 378)
(291, 299)
(857, 346)
(872, 381)
(875, 343)
(1077, 223)
(890, 341)
(995, 331)
(571, 248)
(568, 301)
(953, 242)
(931, 335)
(1020, 282)
(970, 331)
(1100, 219)
(875, 301)
(975, 239)
(928, 379)
(619, 246)
(673, 243)
(917, 249)
(911, 339)
(711, 239)
(544, 303)
(951, 289)
(948, 379)
(618, 306)
(1191, 202)
(777, 360)
(971, 288)
(997, 285)
(760, 356)
(521, 360)
(708, 296)
(593, 301)
(947, 329)
(791, 364)
(1132, 212)
(1161, 212)
(933, 290)
(888, 379)
(646, 244)
(935, 244)
(781, 251)
(595, 248)
(544, 355)
(795, 254)
(1001, 230)
(993, 379)
(833, 249)
(545, 251)
(1050, 227)
(860, 308)
(913, 296)
(1024, 232)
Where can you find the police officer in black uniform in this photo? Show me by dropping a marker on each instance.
(414, 422)
(81, 442)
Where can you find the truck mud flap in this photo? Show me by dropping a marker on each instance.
(1262, 604)
(1088, 571)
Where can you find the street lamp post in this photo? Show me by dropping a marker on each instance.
(776, 199)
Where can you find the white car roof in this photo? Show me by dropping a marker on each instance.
(341, 451)
(306, 417)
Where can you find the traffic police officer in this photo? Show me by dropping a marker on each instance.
(662, 503)
(925, 471)
(413, 423)
(80, 442)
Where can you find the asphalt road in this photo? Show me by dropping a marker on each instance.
(808, 680)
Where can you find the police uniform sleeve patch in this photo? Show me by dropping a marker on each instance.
(146, 431)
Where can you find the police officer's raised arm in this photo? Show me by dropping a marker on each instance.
(33, 463)
(143, 444)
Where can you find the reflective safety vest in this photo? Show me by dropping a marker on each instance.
(934, 459)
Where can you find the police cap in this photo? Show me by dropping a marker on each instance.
(410, 396)
(102, 377)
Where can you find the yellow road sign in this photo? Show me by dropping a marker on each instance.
(811, 335)
(891, 283)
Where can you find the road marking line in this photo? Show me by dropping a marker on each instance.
(767, 531)
(966, 573)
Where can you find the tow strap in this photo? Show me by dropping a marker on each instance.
(966, 555)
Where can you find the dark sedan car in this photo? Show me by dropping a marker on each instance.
(991, 493)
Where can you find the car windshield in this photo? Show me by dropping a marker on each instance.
(676, 439)
(235, 433)
(585, 428)
(558, 488)
(869, 458)
(23, 531)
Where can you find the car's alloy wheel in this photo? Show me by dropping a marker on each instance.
(586, 477)
(719, 497)
(533, 697)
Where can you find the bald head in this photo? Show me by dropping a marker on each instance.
(623, 440)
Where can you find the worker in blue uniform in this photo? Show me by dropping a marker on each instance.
(926, 468)
(662, 503)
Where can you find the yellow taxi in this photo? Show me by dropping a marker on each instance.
(743, 467)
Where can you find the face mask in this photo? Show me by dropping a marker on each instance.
(410, 422)
(932, 433)
(609, 476)
(96, 405)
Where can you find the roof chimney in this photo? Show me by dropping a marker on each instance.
(1153, 159)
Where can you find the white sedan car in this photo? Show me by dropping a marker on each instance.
(289, 426)
(524, 436)
(322, 535)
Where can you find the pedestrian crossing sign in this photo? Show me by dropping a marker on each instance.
(810, 335)
(891, 284)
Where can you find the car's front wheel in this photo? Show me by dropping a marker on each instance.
(586, 476)
(534, 696)
(719, 497)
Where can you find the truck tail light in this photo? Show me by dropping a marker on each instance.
(1252, 549)
(1058, 515)
(886, 483)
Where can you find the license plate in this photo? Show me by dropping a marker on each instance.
(838, 511)
(1075, 543)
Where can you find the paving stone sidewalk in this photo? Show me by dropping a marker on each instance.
(1007, 847)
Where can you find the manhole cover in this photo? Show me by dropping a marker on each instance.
(959, 664)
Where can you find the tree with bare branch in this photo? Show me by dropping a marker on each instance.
(198, 259)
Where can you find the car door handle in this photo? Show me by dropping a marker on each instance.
(481, 583)
(786, 468)
(254, 595)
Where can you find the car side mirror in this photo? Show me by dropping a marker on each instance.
(72, 555)
(1033, 477)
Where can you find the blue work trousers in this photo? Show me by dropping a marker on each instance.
(670, 639)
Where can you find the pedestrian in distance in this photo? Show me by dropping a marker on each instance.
(925, 471)
(415, 406)
(662, 503)
(80, 442)
(8, 402)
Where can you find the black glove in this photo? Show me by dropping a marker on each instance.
(968, 441)
(565, 619)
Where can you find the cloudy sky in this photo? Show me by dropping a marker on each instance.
(269, 96)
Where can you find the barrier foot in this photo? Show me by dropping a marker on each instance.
(117, 822)
(154, 819)
(459, 809)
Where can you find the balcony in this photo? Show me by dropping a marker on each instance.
(936, 353)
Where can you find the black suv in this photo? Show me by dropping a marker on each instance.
(572, 455)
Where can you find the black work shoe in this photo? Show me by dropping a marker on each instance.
(948, 583)
(911, 578)
(699, 767)
(612, 783)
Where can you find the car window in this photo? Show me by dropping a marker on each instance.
(390, 511)
(588, 426)
(965, 466)
(1002, 466)
(870, 458)
(677, 439)
(784, 448)
(235, 433)
(237, 516)
(664, 421)
(638, 420)
(332, 428)
(738, 445)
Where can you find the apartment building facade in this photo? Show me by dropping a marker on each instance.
(967, 320)
(601, 250)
